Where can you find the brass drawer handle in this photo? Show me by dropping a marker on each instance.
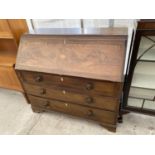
(39, 78)
(90, 113)
(46, 104)
(43, 91)
(89, 100)
(89, 86)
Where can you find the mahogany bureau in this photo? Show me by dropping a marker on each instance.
(74, 71)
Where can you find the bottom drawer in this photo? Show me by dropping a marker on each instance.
(73, 109)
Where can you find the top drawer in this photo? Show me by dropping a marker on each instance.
(78, 84)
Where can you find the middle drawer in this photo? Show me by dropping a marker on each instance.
(107, 103)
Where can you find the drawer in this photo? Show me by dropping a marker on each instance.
(107, 103)
(79, 84)
(74, 109)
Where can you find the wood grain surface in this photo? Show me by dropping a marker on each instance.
(76, 72)
(92, 57)
(8, 78)
(85, 85)
(76, 110)
(62, 94)
(10, 32)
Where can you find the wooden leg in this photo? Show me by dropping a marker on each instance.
(36, 109)
(123, 112)
(111, 128)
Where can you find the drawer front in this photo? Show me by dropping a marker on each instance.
(107, 103)
(73, 109)
(79, 84)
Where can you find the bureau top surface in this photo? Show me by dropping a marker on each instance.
(91, 55)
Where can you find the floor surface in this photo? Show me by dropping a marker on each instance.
(17, 118)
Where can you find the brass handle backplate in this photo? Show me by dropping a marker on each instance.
(89, 100)
(47, 104)
(89, 86)
(43, 91)
(39, 78)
